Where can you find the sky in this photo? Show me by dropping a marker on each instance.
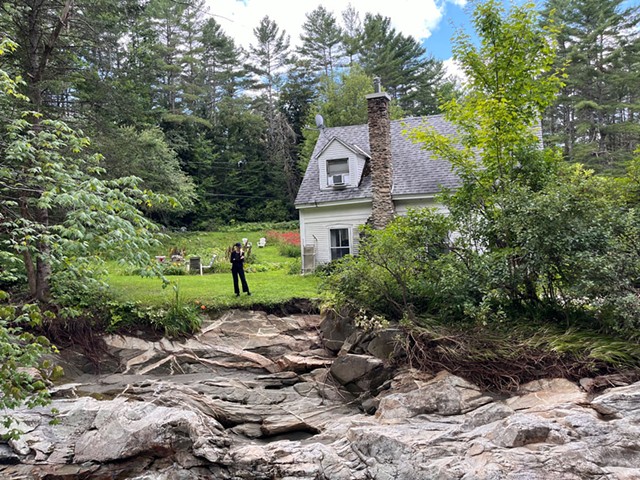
(432, 22)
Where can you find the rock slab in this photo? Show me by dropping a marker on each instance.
(255, 396)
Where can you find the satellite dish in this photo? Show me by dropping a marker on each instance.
(319, 121)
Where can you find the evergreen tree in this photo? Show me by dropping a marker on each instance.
(595, 118)
(222, 68)
(269, 57)
(295, 102)
(322, 41)
(406, 72)
(351, 34)
(104, 93)
(45, 56)
(176, 27)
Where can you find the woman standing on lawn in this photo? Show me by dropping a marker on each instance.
(237, 269)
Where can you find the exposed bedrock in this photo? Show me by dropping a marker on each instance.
(258, 396)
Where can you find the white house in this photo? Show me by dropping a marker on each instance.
(366, 173)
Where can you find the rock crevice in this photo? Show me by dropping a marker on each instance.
(255, 396)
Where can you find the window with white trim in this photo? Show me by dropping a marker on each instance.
(339, 243)
(338, 172)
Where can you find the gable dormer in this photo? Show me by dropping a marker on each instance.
(340, 165)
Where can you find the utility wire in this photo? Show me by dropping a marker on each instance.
(207, 194)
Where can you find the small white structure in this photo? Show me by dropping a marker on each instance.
(210, 266)
(338, 192)
(262, 242)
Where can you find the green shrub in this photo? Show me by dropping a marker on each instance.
(395, 269)
(295, 267)
(181, 318)
(324, 270)
(22, 354)
(288, 250)
(178, 318)
(173, 269)
(219, 267)
(128, 316)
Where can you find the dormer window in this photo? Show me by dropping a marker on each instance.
(338, 173)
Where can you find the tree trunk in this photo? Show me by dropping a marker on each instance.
(26, 254)
(39, 48)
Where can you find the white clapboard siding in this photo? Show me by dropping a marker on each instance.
(316, 224)
(336, 150)
(404, 205)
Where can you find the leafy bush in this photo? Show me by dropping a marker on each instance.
(131, 316)
(171, 268)
(182, 318)
(325, 270)
(287, 250)
(295, 267)
(394, 272)
(219, 267)
(23, 373)
(178, 318)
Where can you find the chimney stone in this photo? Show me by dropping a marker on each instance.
(382, 208)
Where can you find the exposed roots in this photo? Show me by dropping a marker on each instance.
(81, 333)
(497, 363)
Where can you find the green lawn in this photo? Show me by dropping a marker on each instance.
(268, 275)
(216, 290)
(204, 244)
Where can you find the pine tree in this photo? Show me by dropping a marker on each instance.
(405, 70)
(322, 41)
(352, 33)
(595, 118)
(222, 68)
(269, 57)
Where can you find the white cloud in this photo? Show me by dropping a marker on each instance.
(238, 18)
(453, 69)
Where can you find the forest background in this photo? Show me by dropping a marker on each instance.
(118, 115)
(164, 94)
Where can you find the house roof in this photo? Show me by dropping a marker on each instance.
(415, 171)
(354, 148)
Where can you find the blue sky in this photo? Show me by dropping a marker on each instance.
(419, 18)
(433, 22)
(455, 17)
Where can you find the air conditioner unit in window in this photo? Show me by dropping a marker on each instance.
(338, 180)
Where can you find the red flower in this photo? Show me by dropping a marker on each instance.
(291, 238)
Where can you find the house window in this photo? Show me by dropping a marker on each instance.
(339, 243)
(337, 172)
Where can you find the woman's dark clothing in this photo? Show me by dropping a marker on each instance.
(237, 270)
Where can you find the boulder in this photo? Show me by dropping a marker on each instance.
(445, 394)
(360, 373)
(334, 330)
(253, 398)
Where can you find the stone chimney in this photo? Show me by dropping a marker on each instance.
(382, 210)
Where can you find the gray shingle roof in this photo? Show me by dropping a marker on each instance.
(415, 171)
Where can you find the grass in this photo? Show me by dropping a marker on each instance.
(204, 244)
(272, 287)
(215, 291)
